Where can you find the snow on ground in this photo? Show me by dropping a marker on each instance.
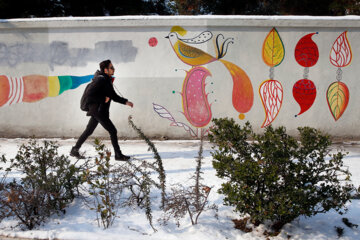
(179, 163)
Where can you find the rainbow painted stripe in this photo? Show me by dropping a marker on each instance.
(33, 88)
(59, 84)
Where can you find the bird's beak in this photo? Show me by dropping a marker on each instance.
(167, 37)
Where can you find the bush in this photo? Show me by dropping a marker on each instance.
(49, 184)
(30, 206)
(101, 187)
(159, 168)
(275, 177)
(192, 200)
(107, 185)
(137, 179)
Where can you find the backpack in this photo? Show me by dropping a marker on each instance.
(84, 99)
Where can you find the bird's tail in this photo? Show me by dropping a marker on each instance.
(221, 48)
(243, 93)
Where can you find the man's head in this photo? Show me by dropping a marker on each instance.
(107, 68)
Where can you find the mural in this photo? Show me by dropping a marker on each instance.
(338, 93)
(243, 94)
(196, 107)
(33, 88)
(153, 42)
(194, 98)
(194, 52)
(271, 91)
(164, 113)
(58, 53)
(306, 55)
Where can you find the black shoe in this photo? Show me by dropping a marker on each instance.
(75, 153)
(121, 157)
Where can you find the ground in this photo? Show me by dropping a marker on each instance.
(179, 163)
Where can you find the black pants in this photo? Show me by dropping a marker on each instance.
(104, 120)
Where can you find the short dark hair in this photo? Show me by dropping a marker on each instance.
(104, 64)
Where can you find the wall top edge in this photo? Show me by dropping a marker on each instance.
(207, 20)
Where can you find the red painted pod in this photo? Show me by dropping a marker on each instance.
(306, 51)
(194, 98)
(304, 92)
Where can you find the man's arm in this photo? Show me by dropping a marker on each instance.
(127, 103)
(110, 92)
(130, 104)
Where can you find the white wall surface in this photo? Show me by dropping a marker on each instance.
(147, 75)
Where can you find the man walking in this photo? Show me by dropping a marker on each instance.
(97, 98)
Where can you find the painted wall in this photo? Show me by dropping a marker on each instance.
(180, 72)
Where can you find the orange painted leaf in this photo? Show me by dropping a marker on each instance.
(338, 98)
(243, 93)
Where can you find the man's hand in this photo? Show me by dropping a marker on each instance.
(130, 104)
(107, 99)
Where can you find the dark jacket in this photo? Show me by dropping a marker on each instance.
(100, 88)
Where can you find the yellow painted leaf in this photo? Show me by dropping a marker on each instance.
(338, 98)
(273, 51)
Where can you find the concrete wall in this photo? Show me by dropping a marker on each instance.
(178, 72)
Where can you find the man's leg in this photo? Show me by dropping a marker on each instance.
(109, 126)
(88, 131)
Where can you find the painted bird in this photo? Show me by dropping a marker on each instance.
(194, 56)
(243, 94)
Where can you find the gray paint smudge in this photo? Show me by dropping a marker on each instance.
(59, 53)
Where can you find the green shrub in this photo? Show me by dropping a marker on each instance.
(159, 164)
(137, 179)
(100, 180)
(191, 200)
(30, 206)
(48, 185)
(274, 176)
(112, 186)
